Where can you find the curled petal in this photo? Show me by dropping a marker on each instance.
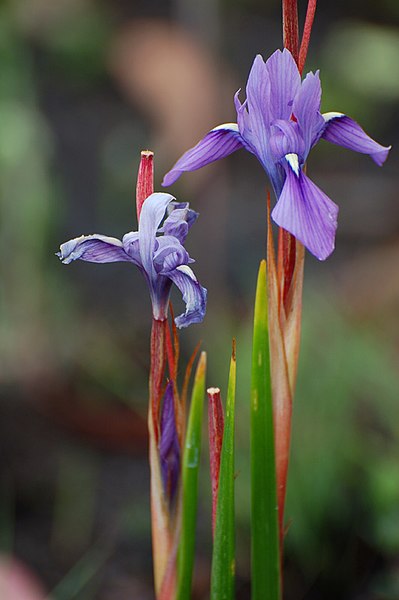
(152, 213)
(285, 82)
(95, 248)
(130, 243)
(170, 254)
(218, 143)
(194, 295)
(306, 212)
(344, 131)
(179, 220)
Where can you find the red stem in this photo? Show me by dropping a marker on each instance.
(307, 30)
(145, 179)
(157, 370)
(290, 27)
(216, 429)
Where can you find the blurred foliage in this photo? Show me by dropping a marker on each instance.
(69, 147)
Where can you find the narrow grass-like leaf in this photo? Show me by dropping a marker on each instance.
(191, 460)
(223, 559)
(264, 514)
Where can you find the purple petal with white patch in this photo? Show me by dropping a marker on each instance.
(169, 449)
(218, 143)
(344, 131)
(306, 212)
(95, 248)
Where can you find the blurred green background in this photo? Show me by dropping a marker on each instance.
(84, 86)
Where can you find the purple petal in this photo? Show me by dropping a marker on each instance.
(194, 295)
(286, 139)
(180, 219)
(130, 243)
(306, 109)
(169, 449)
(218, 143)
(344, 131)
(170, 254)
(152, 213)
(285, 82)
(95, 248)
(306, 212)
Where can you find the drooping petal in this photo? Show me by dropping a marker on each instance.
(95, 248)
(344, 131)
(194, 295)
(306, 109)
(306, 212)
(169, 449)
(152, 213)
(179, 220)
(285, 82)
(218, 143)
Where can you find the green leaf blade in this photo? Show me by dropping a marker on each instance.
(191, 461)
(223, 559)
(265, 559)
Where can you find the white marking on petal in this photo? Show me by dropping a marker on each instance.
(293, 161)
(331, 115)
(228, 126)
(187, 271)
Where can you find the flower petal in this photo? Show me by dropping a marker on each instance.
(169, 254)
(169, 449)
(130, 243)
(152, 213)
(344, 131)
(218, 143)
(179, 220)
(306, 212)
(285, 82)
(194, 295)
(95, 248)
(306, 109)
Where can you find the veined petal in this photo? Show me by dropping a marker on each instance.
(194, 295)
(306, 212)
(285, 82)
(344, 131)
(152, 213)
(169, 254)
(306, 109)
(218, 143)
(95, 248)
(286, 139)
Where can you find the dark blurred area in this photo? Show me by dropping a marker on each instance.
(85, 85)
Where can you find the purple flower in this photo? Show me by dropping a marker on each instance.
(279, 122)
(157, 251)
(169, 448)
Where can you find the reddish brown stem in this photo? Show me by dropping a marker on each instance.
(290, 27)
(216, 429)
(145, 179)
(307, 30)
(157, 370)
